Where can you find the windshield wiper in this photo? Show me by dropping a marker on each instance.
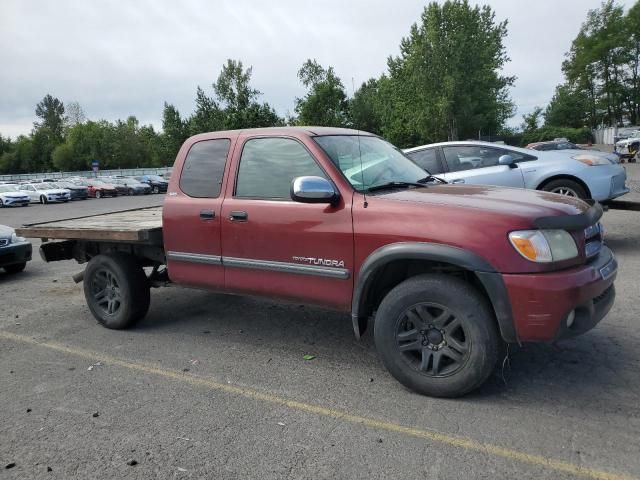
(396, 184)
(430, 178)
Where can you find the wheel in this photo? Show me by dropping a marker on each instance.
(156, 190)
(566, 187)
(98, 194)
(16, 267)
(43, 200)
(437, 335)
(25, 204)
(130, 192)
(1, 203)
(116, 290)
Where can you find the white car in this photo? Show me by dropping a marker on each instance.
(628, 147)
(45, 193)
(576, 173)
(11, 196)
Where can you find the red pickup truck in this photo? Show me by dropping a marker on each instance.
(340, 218)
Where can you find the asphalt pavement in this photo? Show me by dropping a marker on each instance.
(214, 386)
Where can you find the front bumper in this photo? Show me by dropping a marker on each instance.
(15, 253)
(541, 303)
(11, 202)
(606, 182)
(58, 198)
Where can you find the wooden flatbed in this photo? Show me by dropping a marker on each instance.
(140, 226)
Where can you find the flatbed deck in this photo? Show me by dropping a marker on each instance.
(141, 225)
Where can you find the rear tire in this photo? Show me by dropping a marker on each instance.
(130, 192)
(15, 268)
(98, 194)
(437, 335)
(43, 200)
(1, 203)
(116, 290)
(568, 188)
(156, 190)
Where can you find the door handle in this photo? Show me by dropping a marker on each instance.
(458, 180)
(238, 216)
(207, 214)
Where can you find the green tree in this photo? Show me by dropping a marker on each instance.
(531, 121)
(325, 103)
(568, 108)
(365, 108)
(51, 112)
(447, 82)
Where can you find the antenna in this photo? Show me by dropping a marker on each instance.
(364, 193)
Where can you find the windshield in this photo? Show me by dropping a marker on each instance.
(369, 161)
(43, 186)
(156, 177)
(8, 188)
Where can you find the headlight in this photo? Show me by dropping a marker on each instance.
(592, 160)
(15, 238)
(544, 246)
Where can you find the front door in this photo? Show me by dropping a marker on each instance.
(191, 216)
(478, 164)
(276, 247)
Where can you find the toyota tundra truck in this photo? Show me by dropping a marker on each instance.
(444, 274)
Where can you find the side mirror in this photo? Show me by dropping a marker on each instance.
(507, 160)
(313, 190)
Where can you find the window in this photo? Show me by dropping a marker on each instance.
(204, 167)
(427, 159)
(269, 165)
(468, 157)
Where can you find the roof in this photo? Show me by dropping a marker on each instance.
(310, 131)
(469, 142)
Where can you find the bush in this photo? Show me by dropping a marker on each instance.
(576, 135)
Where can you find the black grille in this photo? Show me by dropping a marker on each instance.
(4, 242)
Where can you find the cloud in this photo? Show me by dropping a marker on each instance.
(127, 58)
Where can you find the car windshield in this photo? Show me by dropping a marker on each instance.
(43, 186)
(156, 177)
(8, 188)
(369, 161)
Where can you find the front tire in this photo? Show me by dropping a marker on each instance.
(98, 194)
(116, 290)
(130, 192)
(156, 190)
(43, 200)
(437, 335)
(16, 268)
(566, 187)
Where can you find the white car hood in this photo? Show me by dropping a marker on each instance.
(53, 191)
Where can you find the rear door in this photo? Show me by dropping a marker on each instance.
(277, 247)
(478, 164)
(191, 216)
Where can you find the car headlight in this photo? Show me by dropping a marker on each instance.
(592, 160)
(15, 238)
(544, 246)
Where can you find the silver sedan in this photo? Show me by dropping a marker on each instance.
(575, 173)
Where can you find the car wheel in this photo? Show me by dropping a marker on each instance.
(130, 192)
(1, 203)
(16, 268)
(566, 187)
(156, 190)
(43, 200)
(437, 335)
(116, 290)
(98, 194)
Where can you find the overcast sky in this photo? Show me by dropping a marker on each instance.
(121, 58)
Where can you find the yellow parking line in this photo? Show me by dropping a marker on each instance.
(442, 438)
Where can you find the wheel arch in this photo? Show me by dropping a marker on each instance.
(565, 176)
(388, 266)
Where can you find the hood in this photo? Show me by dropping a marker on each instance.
(518, 202)
(14, 194)
(54, 191)
(6, 232)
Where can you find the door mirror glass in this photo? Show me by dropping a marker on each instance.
(506, 160)
(313, 190)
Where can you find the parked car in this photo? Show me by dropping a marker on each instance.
(628, 147)
(96, 188)
(157, 183)
(15, 251)
(554, 145)
(11, 196)
(583, 174)
(45, 193)
(129, 186)
(77, 192)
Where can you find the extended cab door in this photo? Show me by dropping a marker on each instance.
(191, 213)
(478, 164)
(274, 246)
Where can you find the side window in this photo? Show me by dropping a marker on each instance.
(203, 168)
(427, 159)
(268, 165)
(468, 157)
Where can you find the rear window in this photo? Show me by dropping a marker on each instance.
(204, 167)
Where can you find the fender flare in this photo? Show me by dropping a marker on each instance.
(490, 279)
